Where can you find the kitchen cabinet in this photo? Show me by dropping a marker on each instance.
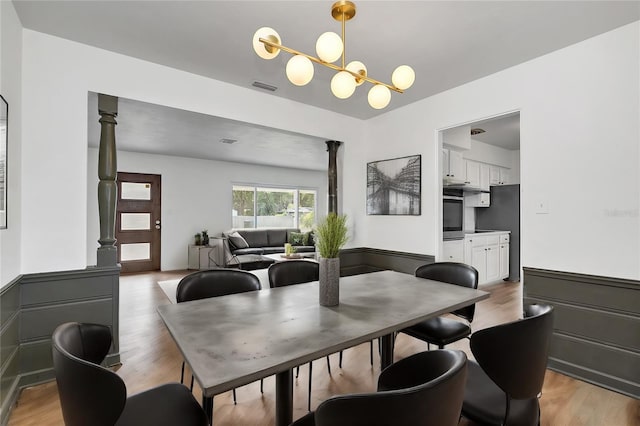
(453, 251)
(478, 199)
(453, 166)
(478, 174)
(499, 175)
(489, 254)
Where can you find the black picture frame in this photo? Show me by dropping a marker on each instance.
(4, 138)
(394, 186)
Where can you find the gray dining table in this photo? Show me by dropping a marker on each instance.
(234, 340)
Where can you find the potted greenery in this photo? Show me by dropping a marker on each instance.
(331, 236)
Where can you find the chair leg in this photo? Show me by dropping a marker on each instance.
(328, 365)
(182, 373)
(297, 371)
(235, 401)
(261, 385)
(309, 396)
(340, 360)
(191, 387)
(371, 352)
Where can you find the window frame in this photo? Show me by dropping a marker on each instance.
(296, 199)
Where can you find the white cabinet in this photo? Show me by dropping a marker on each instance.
(479, 199)
(485, 170)
(504, 256)
(453, 166)
(473, 173)
(487, 254)
(453, 251)
(499, 175)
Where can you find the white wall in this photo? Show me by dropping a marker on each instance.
(579, 128)
(58, 74)
(196, 195)
(10, 88)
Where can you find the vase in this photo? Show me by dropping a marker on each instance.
(329, 281)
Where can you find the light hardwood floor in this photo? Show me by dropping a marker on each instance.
(149, 357)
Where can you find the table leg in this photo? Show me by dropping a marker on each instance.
(284, 398)
(207, 405)
(386, 356)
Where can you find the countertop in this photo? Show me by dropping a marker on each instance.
(459, 235)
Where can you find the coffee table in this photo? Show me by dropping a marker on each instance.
(278, 257)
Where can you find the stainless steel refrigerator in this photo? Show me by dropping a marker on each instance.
(503, 214)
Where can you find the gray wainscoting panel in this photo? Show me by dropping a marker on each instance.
(362, 260)
(597, 326)
(34, 305)
(9, 347)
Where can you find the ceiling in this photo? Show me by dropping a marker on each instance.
(448, 43)
(503, 131)
(156, 129)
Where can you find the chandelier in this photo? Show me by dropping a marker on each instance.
(330, 47)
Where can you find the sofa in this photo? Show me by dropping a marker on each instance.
(268, 241)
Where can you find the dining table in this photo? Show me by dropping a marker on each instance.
(234, 340)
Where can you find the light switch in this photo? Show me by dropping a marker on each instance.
(542, 207)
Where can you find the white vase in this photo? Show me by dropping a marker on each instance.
(329, 281)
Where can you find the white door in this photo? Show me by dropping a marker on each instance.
(479, 261)
(493, 263)
(456, 166)
(473, 173)
(504, 260)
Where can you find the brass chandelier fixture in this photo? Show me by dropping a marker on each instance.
(330, 47)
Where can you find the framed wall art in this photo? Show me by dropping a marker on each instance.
(393, 186)
(4, 128)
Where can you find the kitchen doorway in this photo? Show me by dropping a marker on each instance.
(138, 222)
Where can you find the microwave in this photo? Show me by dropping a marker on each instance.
(452, 213)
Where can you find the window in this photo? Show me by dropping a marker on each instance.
(262, 207)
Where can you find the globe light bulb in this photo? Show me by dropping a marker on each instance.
(329, 47)
(299, 70)
(343, 85)
(266, 52)
(379, 96)
(403, 77)
(359, 68)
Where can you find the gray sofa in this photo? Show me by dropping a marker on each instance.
(265, 241)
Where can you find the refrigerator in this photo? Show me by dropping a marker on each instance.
(503, 214)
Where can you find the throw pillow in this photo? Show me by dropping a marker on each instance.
(236, 239)
(296, 238)
(309, 239)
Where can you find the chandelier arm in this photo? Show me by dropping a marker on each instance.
(344, 41)
(328, 65)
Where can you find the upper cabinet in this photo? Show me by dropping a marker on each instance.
(499, 176)
(453, 166)
(477, 174)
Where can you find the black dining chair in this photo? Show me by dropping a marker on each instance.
(93, 395)
(506, 379)
(293, 272)
(442, 331)
(213, 283)
(423, 389)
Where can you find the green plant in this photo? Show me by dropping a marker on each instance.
(331, 235)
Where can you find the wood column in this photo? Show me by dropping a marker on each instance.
(107, 187)
(332, 148)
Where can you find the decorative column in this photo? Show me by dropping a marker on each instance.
(332, 148)
(107, 173)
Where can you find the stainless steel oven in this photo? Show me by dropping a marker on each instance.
(452, 213)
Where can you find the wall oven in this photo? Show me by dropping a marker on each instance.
(452, 210)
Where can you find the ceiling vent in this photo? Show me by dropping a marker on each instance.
(228, 141)
(477, 131)
(265, 86)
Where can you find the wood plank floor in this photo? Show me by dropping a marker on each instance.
(149, 357)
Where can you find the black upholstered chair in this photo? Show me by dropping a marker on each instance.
(442, 331)
(424, 389)
(293, 272)
(93, 395)
(504, 383)
(214, 283)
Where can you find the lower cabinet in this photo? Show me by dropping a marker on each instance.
(489, 254)
(453, 251)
